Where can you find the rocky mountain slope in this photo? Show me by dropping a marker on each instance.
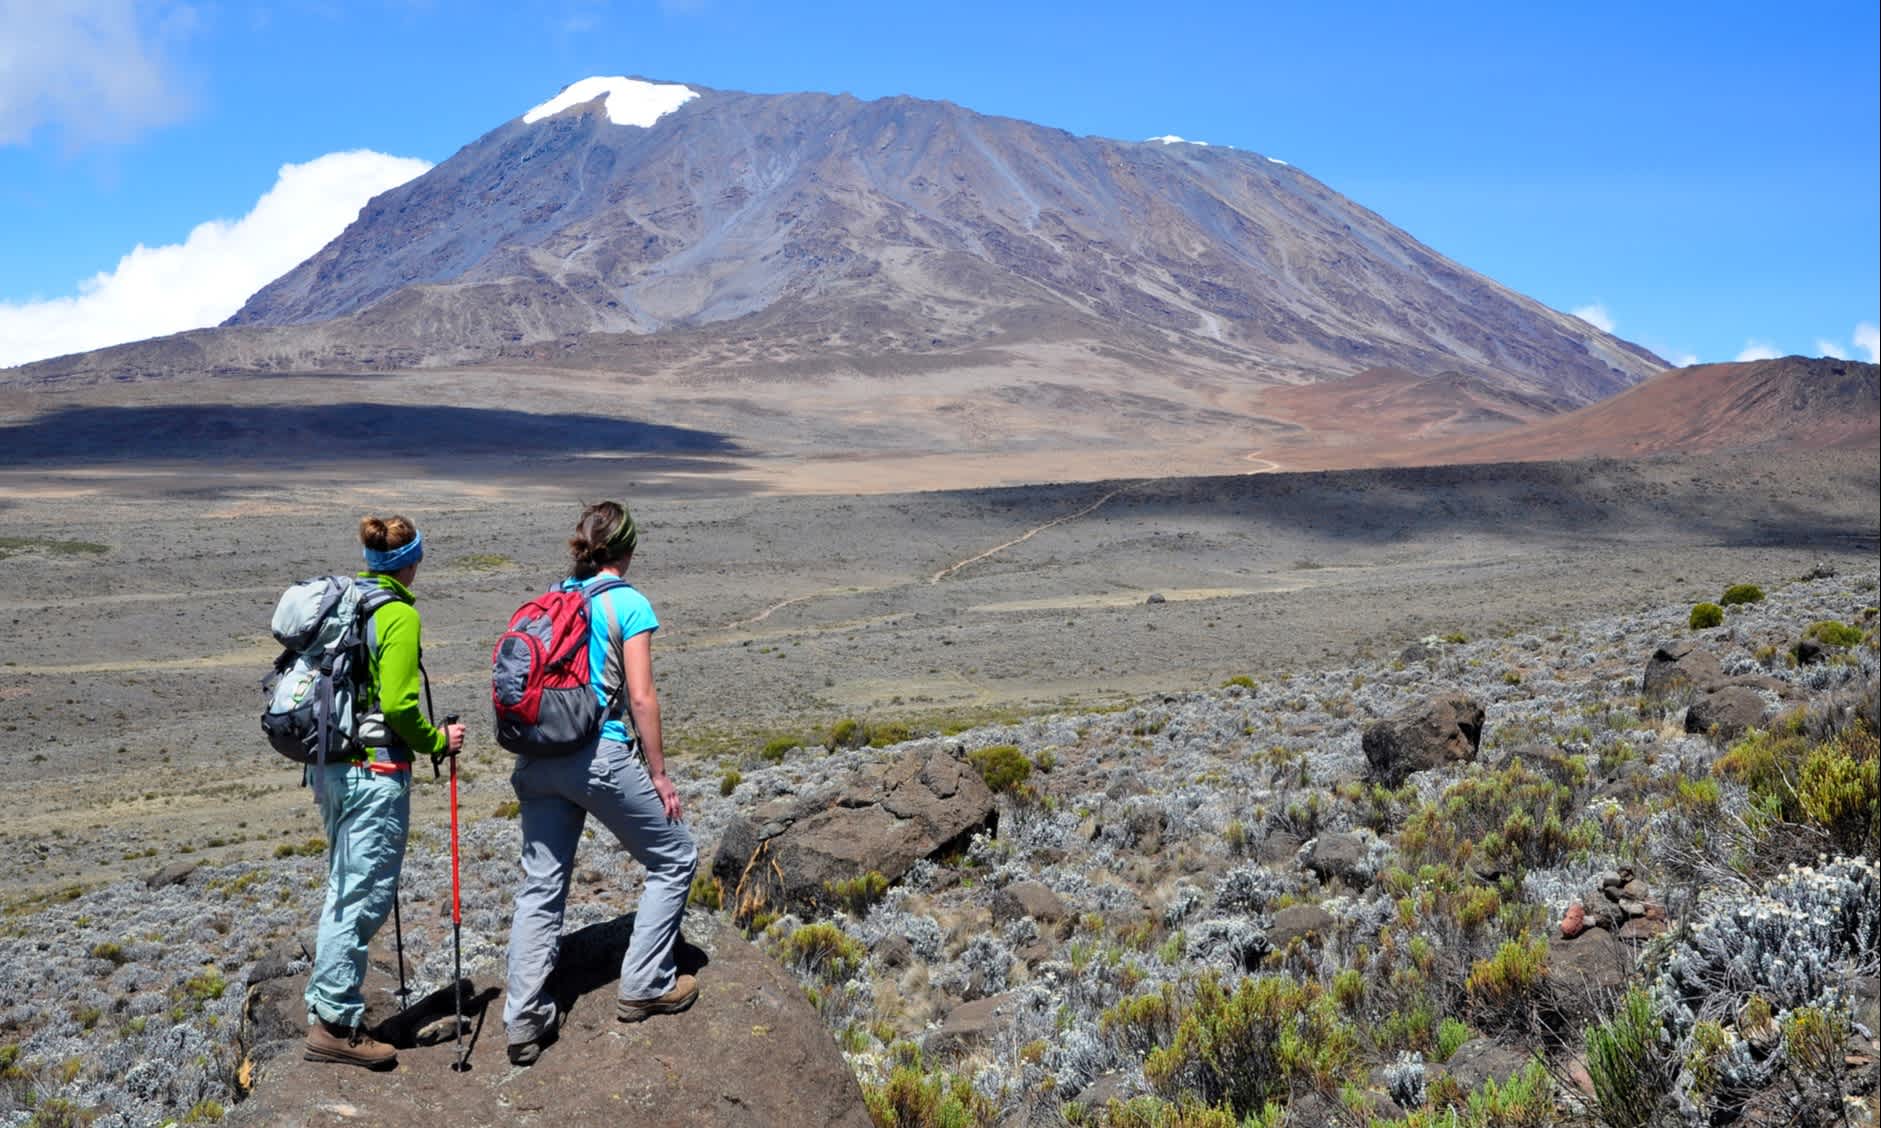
(1426, 877)
(795, 235)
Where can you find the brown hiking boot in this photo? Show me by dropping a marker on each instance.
(685, 990)
(348, 1045)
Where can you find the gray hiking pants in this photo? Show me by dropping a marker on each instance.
(557, 795)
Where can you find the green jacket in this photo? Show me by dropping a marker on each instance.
(396, 682)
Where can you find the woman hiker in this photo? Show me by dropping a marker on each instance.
(621, 780)
(365, 802)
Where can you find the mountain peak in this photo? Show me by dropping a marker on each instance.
(629, 101)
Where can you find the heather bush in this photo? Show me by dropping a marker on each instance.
(1831, 788)
(1741, 593)
(1269, 1037)
(914, 1097)
(1002, 766)
(1628, 1064)
(1705, 616)
(1828, 632)
(821, 951)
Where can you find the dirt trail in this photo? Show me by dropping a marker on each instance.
(1037, 529)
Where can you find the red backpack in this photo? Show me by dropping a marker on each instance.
(539, 678)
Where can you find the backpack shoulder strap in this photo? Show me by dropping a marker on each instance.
(611, 630)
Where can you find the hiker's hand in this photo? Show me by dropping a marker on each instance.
(669, 795)
(453, 739)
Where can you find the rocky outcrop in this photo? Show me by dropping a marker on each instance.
(796, 854)
(1727, 712)
(1679, 664)
(750, 1051)
(1445, 729)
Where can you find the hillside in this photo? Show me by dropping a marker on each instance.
(1795, 403)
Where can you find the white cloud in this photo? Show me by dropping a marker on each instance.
(1758, 350)
(1868, 340)
(1596, 315)
(96, 69)
(1826, 347)
(202, 280)
(1684, 360)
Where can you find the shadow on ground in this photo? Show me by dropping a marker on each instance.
(314, 433)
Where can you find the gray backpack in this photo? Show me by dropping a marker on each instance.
(312, 712)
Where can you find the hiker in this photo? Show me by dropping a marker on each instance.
(620, 778)
(365, 802)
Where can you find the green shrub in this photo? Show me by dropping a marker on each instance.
(912, 1097)
(1705, 616)
(729, 782)
(1741, 593)
(58, 1113)
(1245, 1049)
(1525, 1100)
(857, 893)
(204, 1112)
(1833, 786)
(1154, 1112)
(1451, 1034)
(846, 733)
(1627, 1064)
(1504, 984)
(1241, 680)
(822, 951)
(509, 809)
(1828, 632)
(1514, 819)
(889, 732)
(1002, 766)
(776, 747)
(108, 951)
(707, 892)
(205, 986)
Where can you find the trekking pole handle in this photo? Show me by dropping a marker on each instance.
(449, 720)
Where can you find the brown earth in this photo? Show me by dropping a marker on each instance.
(749, 1051)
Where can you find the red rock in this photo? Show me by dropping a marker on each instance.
(1574, 923)
(1655, 911)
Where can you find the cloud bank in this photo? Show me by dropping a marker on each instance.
(202, 280)
(1757, 350)
(1596, 314)
(1868, 340)
(96, 69)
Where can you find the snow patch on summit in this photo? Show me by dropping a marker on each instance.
(629, 100)
(1172, 139)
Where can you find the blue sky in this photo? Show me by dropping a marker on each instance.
(1705, 174)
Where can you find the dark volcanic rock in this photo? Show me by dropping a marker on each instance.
(1727, 712)
(789, 853)
(1341, 856)
(970, 1023)
(1583, 973)
(1444, 729)
(1680, 663)
(750, 1051)
(1309, 922)
(1028, 899)
(1483, 1059)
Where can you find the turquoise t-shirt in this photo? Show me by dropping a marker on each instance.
(628, 608)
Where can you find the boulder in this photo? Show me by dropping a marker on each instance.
(1028, 899)
(1679, 663)
(1482, 1059)
(791, 854)
(971, 1023)
(721, 1063)
(1308, 922)
(1809, 652)
(1727, 712)
(1341, 856)
(1585, 972)
(173, 874)
(1445, 729)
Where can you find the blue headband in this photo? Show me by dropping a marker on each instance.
(392, 560)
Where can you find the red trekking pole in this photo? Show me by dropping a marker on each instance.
(457, 923)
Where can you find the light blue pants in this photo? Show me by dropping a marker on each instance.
(367, 814)
(557, 795)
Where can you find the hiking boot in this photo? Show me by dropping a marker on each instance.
(685, 990)
(527, 1053)
(348, 1045)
